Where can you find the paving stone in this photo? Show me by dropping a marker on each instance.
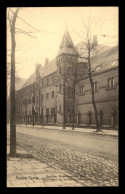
(96, 169)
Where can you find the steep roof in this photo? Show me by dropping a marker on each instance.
(102, 57)
(19, 83)
(105, 60)
(81, 49)
(30, 80)
(66, 46)
(46, 70)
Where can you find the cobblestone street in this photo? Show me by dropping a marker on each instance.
(90, 167)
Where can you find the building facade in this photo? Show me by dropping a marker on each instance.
(47, 92)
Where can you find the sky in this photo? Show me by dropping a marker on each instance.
(51, 23)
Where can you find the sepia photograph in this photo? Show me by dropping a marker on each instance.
(62, 83)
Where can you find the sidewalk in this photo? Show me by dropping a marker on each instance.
(26, 171)
(107, 132)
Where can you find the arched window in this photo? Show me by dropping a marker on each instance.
(82, 90)
(111, 82)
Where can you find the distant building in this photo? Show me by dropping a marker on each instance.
(42, 94)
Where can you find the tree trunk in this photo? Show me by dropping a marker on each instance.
(73, 106)
(93, 97)
(12, 90)
(94, 105)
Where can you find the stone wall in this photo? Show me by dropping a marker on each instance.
(106, 99)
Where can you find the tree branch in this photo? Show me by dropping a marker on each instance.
(26, 33)
(28, 24)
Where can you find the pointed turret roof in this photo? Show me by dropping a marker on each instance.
(66, 46)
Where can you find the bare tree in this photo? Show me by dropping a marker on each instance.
(12, 17)
(12, 22)
(90, 45)
(73, 72)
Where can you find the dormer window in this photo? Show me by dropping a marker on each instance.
(98, 68)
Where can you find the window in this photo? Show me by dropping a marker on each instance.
(47, 111)
(52, 94)
(59, 88)
(52, 111)
(60, 108)
(111, 82)
(33, 99)
(52, 79)
(42, 84)
(82, 90)
(95, 86)
(47, 96)
(69, 90)
(59, 70)
(30, 89)
(36, 86)
(37, 99)
(42, 111)
(41, 97)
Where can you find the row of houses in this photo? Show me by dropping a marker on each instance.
(42, 96)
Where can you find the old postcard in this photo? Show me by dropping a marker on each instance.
(62, 96)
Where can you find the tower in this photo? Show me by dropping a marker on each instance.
(67, 55)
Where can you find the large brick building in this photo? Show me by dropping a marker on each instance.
(42, 95)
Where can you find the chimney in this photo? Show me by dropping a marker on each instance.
(38, 68)
(46, 61)
(95, 40)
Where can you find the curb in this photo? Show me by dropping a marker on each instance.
(95, 133)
